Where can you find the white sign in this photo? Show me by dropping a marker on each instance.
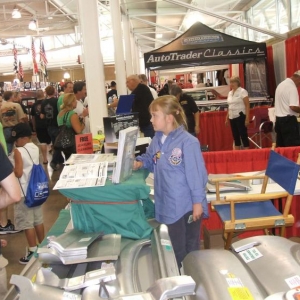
(293, 282)
(250, 254)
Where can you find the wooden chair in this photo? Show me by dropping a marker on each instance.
(246, 212)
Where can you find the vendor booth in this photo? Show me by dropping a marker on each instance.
(202, 46)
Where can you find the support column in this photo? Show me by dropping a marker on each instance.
(137, 53)
(119, 49)
(142, 63)
(128, 53)
(134, 56)
(93, 63)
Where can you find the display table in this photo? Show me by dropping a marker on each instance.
(113, 208)
(226, 162)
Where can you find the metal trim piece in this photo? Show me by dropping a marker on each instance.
(240, 226)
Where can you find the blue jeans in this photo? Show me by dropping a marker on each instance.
(7, 135)
(148, 131)
(185, 237)
(57, 158)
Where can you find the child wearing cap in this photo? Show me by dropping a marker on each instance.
(28, 219)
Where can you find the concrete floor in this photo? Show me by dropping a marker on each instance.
(17, 243)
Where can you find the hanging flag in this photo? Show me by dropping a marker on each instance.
(35, 66)
(21, 72)
(15, 52)
(43, 58)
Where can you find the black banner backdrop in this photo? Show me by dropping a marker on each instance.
(255, 78)
(200, 45)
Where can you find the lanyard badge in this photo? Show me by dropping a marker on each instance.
(156, 156)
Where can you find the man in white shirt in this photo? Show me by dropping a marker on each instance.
(287, 110)
(79, 89)
(144, 80)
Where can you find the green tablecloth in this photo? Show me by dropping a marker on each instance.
(113, 208)
(59, 226)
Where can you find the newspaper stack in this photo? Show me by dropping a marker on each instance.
(72, 245)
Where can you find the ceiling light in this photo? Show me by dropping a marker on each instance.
(159, 35)
(16, 13)
(32, 25)
(67, 75)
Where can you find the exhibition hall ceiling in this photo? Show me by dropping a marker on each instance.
(153, 23)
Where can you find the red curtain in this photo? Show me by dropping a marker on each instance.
(216, 135)
(292, 47)
(213, 131)
(224, 162)
(271, 73)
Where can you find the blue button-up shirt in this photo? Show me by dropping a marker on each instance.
(180, 175)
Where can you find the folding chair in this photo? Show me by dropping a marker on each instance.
(246, 212)
(261, 126)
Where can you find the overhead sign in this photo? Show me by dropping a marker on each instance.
(202, 39)
(205, 55)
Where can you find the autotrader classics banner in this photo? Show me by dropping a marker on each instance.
(204, 55)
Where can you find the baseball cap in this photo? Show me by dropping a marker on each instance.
(20, 130)
(297, 73)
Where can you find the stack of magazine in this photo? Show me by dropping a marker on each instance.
(125, 156)
(72, 245)
(82, 175)
(228, 185)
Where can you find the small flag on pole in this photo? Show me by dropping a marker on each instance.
(21, 72)
(35, 66)
(43, 58)
(15, 52)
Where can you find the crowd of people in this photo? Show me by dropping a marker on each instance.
(169, 116)
(18, 153)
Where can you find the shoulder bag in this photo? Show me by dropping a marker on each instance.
(66, 136)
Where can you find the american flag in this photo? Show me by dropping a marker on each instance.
(21, 72)
(35, 66)
(15, 52)
(43, 58)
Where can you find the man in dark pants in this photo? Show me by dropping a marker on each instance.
(287, 110)
(49, 112)
(190, 109)
(142, 100)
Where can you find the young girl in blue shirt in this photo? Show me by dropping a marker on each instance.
(180, 176)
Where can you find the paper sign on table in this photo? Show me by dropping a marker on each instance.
(84, 143)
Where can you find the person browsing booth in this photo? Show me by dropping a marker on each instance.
(142, 100)
(180, 176)
(190, 109)
(238, 113)
(28, 219)
(287, 110)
